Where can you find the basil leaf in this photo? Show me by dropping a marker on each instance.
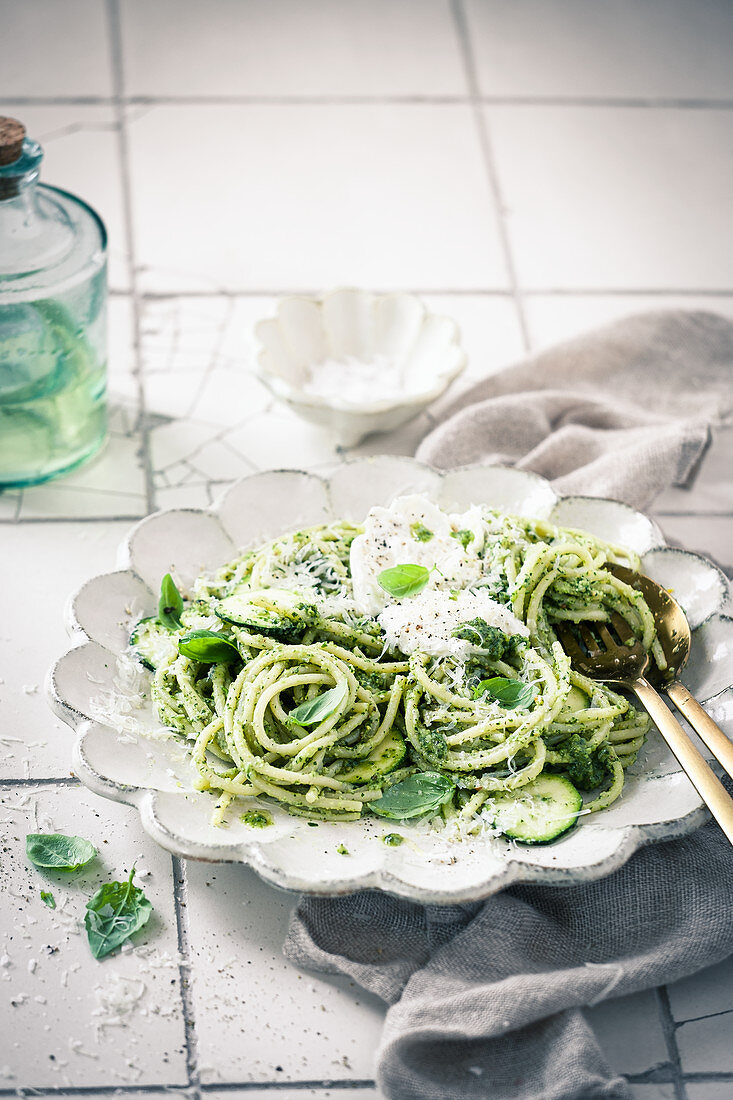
(403, 580)
(170, 604)
(208, 646)
(509, 693)
(48, 899)
(116, 912)
(419, 794)
(315, 710)
(57, 852)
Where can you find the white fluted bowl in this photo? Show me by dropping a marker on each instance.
(395, 332)
(658, 801)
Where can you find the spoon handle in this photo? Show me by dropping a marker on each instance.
(700, 774)
(720, 746)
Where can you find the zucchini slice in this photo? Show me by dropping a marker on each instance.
(383, 758)
(538, 813)
(276, 613)
(154, 644)
(575, 702)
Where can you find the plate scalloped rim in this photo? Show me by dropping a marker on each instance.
(389, 874)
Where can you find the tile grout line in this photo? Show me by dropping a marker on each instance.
(651, 103)
(115, 44)
(667, 1024)
(627, 292)
(482, 131)
(278, 1086)
(180, 901)
(477, 291)
(124, 518)
(184, 1091)
(177, 866)
(712, 513)
(701, 1077)
(63, 781)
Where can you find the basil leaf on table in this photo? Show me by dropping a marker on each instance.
(170, 604)
(48, 899)
(403, 580)
(57, 852)
(509, 693)
(316, 710)
(116, 912)
(415, 796)
(208, 646)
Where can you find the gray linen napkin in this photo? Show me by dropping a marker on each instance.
(622, 412)
(486, 999)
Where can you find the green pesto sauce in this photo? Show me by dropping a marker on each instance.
(464, 537)
(393, 839)
(258, 819)
(420, 532)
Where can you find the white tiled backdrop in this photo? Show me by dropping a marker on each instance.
(533, 168)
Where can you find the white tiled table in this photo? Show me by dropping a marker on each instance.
(533, 169)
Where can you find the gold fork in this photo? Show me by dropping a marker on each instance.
(675, 638)
(622, 660)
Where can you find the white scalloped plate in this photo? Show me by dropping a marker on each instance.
(658, 802)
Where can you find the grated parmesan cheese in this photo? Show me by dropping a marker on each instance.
(396, 536)
(118, 998)
(427, 621)
(354, 383)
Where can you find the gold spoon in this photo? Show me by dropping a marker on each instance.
(673, 632)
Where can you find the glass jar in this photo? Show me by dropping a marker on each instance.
(53, 317)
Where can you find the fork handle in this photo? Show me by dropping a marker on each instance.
(720, 746)
(700, 774)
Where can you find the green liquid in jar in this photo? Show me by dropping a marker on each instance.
(52, 391)
(53, 309)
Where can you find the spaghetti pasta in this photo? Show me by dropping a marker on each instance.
(328, 701)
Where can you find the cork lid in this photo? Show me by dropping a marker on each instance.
(12, 135)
